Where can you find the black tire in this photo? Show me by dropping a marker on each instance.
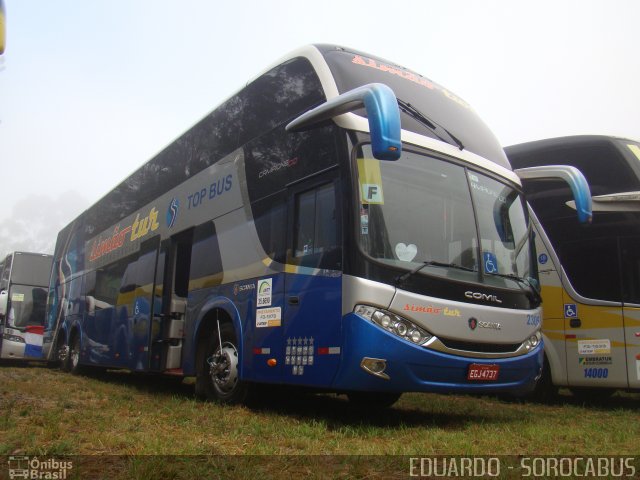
(545, 390)
(74, 355)
(373, 400)
(62, 353)
(221, 369)
(591, 394)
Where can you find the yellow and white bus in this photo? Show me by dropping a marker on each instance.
(590, 274)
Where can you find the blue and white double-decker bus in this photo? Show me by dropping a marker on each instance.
(341, 223)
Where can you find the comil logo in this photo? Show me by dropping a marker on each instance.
(172, 212)
(482, 296)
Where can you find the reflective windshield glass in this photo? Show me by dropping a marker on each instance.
(27, 305)
(420, 209)
(503, 227)
(31, 269)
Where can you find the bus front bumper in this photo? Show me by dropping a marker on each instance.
(412, 368)
(12, 349)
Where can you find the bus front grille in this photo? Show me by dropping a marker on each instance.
(479, 347)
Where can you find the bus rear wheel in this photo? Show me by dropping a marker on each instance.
(222, 368)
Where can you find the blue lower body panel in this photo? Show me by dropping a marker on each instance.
(418, 369)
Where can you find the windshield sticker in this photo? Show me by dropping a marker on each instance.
(364, 222)
(475, 184)
(490, 262)
(635, 149)
(407, 75)
(370, 180)
(17, 297)
(406, 253)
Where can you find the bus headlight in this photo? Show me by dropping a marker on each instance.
(395, 324)
(533, 341)
(14, 338)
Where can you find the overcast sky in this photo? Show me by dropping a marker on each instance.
(91, 89)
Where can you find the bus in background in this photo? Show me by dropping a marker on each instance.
(341, 223)
(590, 275)
(24, 281)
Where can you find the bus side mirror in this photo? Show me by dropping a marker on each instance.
(573, 177)
(4, 299)
(382, 113)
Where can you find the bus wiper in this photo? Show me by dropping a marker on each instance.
(535, 294)
(401, 278)
(416, 114)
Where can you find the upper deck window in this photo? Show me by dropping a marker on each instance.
(352, 70)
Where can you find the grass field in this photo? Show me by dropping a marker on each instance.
(46, 412)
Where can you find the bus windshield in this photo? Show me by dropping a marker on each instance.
(420, 210)
(27, 305)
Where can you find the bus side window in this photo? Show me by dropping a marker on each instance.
(593, 268)
(206, 264)
(182, 266)
(269, 215)
(630, 269)
(316, 229)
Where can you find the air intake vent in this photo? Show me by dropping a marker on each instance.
(480, 347)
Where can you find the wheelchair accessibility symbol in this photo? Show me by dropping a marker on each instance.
(570, 310)
(490, 262)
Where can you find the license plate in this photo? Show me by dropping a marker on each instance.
(483, 373)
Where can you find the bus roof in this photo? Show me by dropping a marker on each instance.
(610, 164)
(567, 141)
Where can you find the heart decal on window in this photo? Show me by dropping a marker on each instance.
(406, 253)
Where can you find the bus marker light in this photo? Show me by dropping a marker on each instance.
(272, 362)
(328, 350)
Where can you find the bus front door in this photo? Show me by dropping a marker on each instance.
(313, 285)
(594, 324)
(631, 285)
(145, 303)
(632, 334)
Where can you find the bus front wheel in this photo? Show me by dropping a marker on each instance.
(74, 355)
(592, 394)
(373, 400)
(222, 368)
(62, 354)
